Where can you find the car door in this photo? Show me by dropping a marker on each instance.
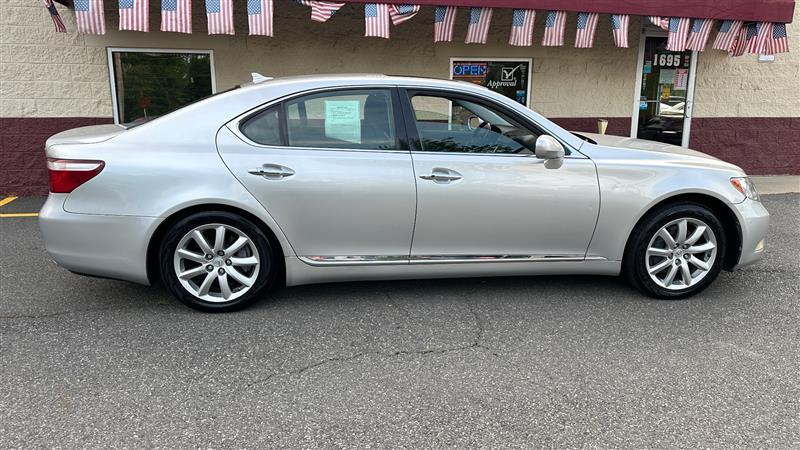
(332, 171)
(481, 192)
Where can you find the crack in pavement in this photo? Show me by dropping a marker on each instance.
(475, 344)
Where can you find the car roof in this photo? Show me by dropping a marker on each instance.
(343, 79)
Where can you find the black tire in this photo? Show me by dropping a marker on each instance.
(634, 262)
(264, 280)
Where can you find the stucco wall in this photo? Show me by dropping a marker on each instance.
(47, 74)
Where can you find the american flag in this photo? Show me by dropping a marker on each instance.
(660, 22)
(779, 41)
(176, 16)
(757, 35)
(554, 26)
(522, 27)
(444, 19)
(90, 17)
(677, 34)
(220, 16)
(376, 20)
(478, 28)
(57, 22)
(321, 11)
(727, 34)
(401, 13)
(740, 42)
(698, 37)
(587, 24)
(259, 17)
(619, 28)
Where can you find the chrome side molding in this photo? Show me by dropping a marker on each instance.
(349, 260)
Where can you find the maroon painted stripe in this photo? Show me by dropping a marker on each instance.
(761, 146)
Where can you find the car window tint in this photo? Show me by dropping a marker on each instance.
(359, 119)
(456, 125)
(264, 128)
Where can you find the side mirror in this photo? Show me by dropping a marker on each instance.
(551, 151)
(547, 147)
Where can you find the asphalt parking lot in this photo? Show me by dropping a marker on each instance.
(545, 362)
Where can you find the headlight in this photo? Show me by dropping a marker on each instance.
(745, 186)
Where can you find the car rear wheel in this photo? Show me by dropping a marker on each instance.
(216, 262)
(676, 251)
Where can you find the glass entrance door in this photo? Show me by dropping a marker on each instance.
(664, 103)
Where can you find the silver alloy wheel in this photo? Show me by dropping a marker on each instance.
(681, 253)
(216, 262)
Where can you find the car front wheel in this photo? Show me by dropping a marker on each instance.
(676, 252)
(216, 262)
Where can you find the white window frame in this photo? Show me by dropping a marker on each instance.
(113, 81)
(650, 31)
(492, 59)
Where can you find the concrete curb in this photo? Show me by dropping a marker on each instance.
(777, 184)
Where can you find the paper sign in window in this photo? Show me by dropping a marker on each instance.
(343, 120)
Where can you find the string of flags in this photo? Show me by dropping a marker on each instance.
(734, 36)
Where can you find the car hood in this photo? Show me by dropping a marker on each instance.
(85, 135)
(644, 145)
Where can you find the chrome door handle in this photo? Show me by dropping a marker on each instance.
(441, 175)
(272, 172)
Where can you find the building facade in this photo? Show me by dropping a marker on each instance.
(740, 109)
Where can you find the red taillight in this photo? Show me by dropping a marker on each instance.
(68, 174)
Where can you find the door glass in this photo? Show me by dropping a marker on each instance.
(662, 101)
(347, 119)
(457, 125)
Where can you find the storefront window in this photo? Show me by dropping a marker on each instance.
(148, 84)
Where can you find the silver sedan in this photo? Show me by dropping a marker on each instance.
(361, 177)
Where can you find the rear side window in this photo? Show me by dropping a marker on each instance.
(358, 119)
(264, 128)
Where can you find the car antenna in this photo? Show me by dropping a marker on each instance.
(258, 78)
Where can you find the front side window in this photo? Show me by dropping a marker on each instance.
(360, 119)
(150, 84)
(454, 124)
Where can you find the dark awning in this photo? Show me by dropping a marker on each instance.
(747, 10)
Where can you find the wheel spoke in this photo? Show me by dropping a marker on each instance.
(247, 261)
(660, 266)
(219, 238)
(236, 246)
(702, 248)
(671, 275)
(664, 234)
(240, 277)
(191, 273)
(203, 290)
(682, 229)
(224, 287)
(191, 256)
(201, 241)
(654, 251)
(696, 235)
(700, 264)
(686, 274)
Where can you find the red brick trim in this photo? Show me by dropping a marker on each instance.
(22, 163)
(761, 146)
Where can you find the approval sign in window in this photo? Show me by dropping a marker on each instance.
(509, 77)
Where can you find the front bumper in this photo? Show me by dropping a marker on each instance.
(754, 222)
(100, 245)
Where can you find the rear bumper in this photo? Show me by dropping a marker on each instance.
(99, 245)
(754, 221)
